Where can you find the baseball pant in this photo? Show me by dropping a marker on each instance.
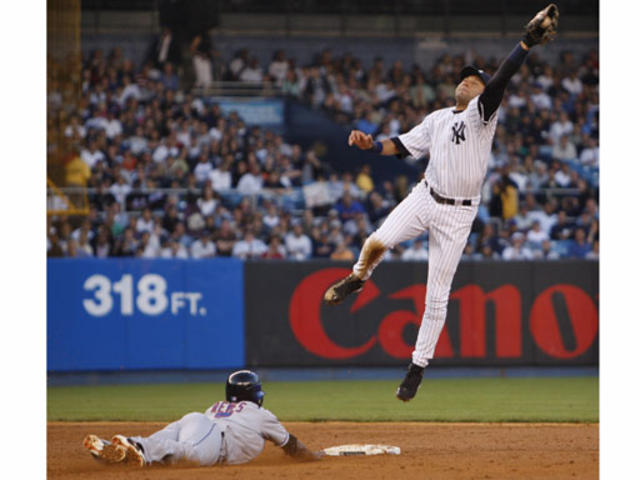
(195, 438)
(449, 227)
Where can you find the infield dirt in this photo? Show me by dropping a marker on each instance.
(449, 451)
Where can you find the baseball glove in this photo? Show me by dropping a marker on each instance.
(542, 28)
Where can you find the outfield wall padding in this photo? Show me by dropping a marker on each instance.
(216, 314)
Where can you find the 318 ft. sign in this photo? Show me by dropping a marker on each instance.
(150, 296)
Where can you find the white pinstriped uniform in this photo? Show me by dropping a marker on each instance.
(456, 170)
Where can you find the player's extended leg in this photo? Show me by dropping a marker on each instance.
(447, 239)
(195, 437)
(406, 221)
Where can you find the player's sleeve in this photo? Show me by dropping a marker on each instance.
(416, 142)
(273, 430)
(494, 91)
(476, 114)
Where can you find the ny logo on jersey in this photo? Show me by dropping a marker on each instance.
(458, 132)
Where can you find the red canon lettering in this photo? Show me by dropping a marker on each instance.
(583, 316)
(508, 314)
(304, 314)
(393, 325)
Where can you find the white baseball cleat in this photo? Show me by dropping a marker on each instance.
(104, 450)
(133, 451)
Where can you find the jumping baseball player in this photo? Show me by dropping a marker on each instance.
(228, 432)
(458, 140)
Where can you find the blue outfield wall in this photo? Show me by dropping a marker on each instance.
(131, 314)
(124, 315)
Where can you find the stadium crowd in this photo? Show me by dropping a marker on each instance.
(171, 176)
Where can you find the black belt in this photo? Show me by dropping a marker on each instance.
(448, 201)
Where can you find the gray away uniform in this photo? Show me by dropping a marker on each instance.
(227, 432)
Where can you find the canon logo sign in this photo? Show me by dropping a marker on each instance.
(547, 320)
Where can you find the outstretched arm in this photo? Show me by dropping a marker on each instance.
(539, 30)
(490, 99)
(366, 142)
(295, 448)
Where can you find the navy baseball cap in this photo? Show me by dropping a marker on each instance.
(471, 70)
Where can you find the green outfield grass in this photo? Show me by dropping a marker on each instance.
(443, 400)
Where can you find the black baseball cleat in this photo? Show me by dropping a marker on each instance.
(340, 290)
(409, 386)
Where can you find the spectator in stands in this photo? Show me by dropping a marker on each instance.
(279, 67)
(207, 204)
(366, 123)
(563, 177)
(291, 84)
(348, 208)
(539, 176)
(563, 228)
(225, 239)
(203, 247)
(505, 197)
(200, 50)
(564, 150)
(545, 252)
(271, 218)
(590, 155)
(342, 253)
(517, 250)
(74, 130)
(239, 61)
(540, 98)
(165, 48)
(129, 91)
(416, 252)
(181, 236)
(364, 180)
(523, 220)
(120, 190)
(591, 208)
(298, 244)
(77, 172)
(276, 251)
(103, 247)
(487, 253)
(377, 208)
(536, 236)
(84, 248)
(173, 249)
(422, 94)
(169, 78)
(145, 222)
(249, 247)
(579, 247)
(221, 177)
(252, 72)
(316, 87)
(251, 182)
(274, 182)
(126, 245)
(468, 253)
(562, 126)
(322, 247)
(92, 155)
(171, 218)
(595, 253)
(572, 83)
